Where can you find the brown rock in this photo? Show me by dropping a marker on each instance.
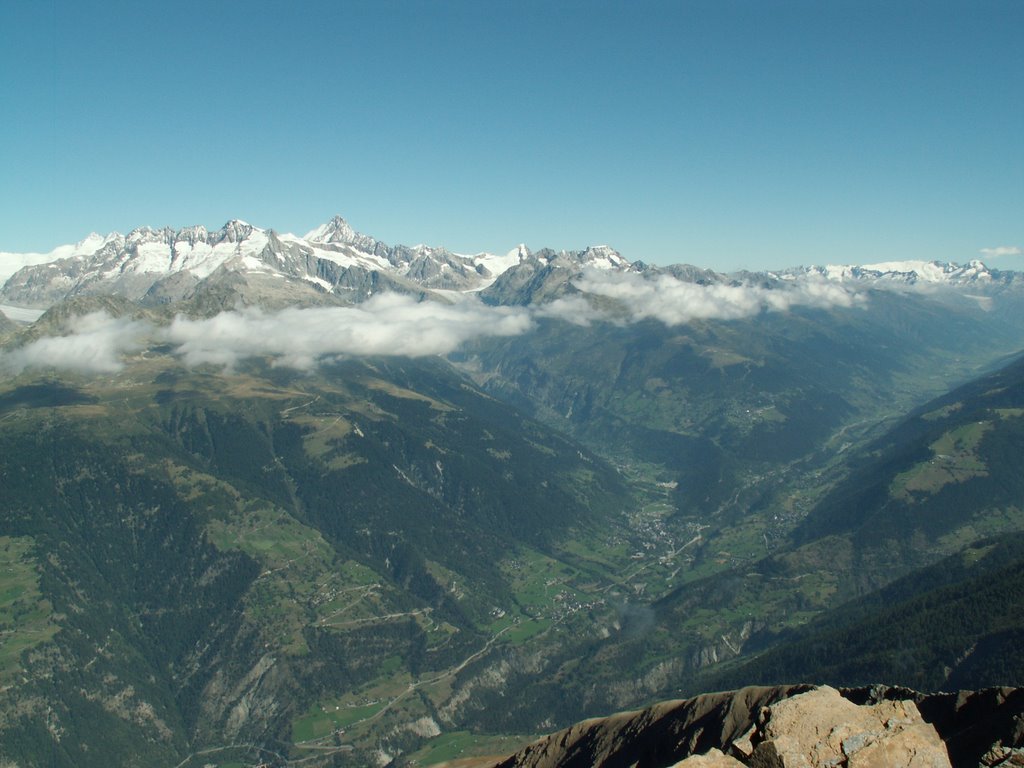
(798, 727)
(655, 737)
(1006, 757)
(915, 746)
(780, 752)
(743, 746)
(821, 729)
(714, 758)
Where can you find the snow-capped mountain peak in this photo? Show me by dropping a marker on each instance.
(910, 272)
(603, 257)
(337, 230)
(150, 235)
(10, 263)
(192, 235)
(92, 242)
(235, 231)
(335, 263)
(491, 265)
(164, 265)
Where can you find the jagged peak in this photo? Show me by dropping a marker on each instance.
(94, 240)
(337, 230)
(603, 256)
(908, 271)
(146, 234)
(235, 231)
(193, 234)
(521, 252)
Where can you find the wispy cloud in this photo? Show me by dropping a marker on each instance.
(92, 344)
(388, 324)
(675, 302)
(392, 324)
(575, 309)
(1002, 250)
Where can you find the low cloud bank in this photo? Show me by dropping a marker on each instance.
(393, 324)
(675, 302)
(575, 309)
(388, 324)
(94, 344)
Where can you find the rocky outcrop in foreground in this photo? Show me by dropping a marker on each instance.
(799, 726)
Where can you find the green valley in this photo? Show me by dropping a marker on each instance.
(383, 559)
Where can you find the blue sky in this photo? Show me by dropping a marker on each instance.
(727, 134)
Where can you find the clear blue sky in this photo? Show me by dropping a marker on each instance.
(724, 133)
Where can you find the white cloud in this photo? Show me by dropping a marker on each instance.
(388, 324)
(393, 324)
(1002, 250)
(675, 302)
(94, 343)
(575, 309)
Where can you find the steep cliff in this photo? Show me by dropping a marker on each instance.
(799, 725)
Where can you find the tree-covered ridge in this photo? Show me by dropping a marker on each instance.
(760, 600)
(388, 555)
(948, 474)
(956, 624)
(204, 556)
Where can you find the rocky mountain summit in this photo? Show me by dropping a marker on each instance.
(244, 264)
(974, 272)
(800, 726)
(256, 511)
(161, 266)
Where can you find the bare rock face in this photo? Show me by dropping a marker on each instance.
(654, 737)
(821, 729)
(799, 726)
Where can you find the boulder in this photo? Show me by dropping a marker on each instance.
(800, 726)
(821, 729)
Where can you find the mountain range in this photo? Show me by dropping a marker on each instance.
(324, 501)
(335, 263)
(163, 265)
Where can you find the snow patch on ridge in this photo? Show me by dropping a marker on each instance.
(926, 270)
(896, 273)
(12, 262)
(496, 265)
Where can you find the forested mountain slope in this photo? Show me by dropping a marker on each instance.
(312, 501)
(197, 558)
(784, 614)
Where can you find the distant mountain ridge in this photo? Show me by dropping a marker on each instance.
(337, 264)
(910, 272)
(157, 266)
(367, 529)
